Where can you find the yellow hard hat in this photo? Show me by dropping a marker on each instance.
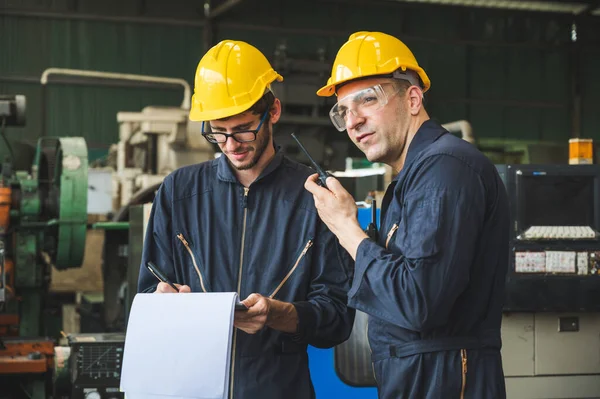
(230, 78)
(369, 54)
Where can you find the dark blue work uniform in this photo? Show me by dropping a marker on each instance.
(433, 284)
(208, 231)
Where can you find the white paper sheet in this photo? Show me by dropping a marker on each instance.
(178, 346)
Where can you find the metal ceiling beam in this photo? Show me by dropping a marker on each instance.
(223, 8)
(552, 6)
(282, 30)
(573, 7)
(592, 8)
(78, 16)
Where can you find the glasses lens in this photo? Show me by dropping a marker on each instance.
(244, 137)
(215, 137)
(362, 103)
(338, 121)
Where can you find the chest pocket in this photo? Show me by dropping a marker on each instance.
(393, 218)
(293, 269)
(190, 253)
(419, 229)
(390, 234)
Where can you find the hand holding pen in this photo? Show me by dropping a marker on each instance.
(165, 285)
(165, 288)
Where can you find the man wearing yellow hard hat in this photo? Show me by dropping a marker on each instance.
(245, 223)
(432, 281)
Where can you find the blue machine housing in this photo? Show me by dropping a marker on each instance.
(321, 362)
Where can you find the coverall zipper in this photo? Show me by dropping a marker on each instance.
(304, 251)
(245, 205)
(463, 356)
(187, 246)
(390, 234)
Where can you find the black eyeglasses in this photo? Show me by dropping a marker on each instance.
(243, 136)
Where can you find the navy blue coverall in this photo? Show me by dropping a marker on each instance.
(208, 231)
(433, 284)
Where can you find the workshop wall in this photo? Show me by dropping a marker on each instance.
(31, 45)
(512, 75)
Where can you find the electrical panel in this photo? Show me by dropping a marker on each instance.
(554, 239)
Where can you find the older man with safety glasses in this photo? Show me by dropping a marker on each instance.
(244, 223)
(432, 281)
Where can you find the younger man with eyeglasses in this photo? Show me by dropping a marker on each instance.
(244, 223)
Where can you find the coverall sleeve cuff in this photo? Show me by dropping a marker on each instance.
(150, 289)
(364, 255)
(306, 321)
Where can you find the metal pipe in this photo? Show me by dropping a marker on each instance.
(65, 80)
(438, 99)
(207, 30)
(185, 104)
(463, 127)
(77, 16)
(44, 112)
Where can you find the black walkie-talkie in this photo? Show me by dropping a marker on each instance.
(322, 174)
(372, 227)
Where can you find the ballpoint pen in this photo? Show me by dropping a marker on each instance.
(160, 275)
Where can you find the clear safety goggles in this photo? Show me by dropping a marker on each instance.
(361, 104)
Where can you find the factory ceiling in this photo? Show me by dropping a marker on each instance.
(575, 7)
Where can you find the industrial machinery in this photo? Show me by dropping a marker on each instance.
(551, 321)
(43, 220)
(152, 144)
(89, 367)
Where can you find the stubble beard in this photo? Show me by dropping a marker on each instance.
(262, 140)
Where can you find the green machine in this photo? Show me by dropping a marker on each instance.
(43, 222)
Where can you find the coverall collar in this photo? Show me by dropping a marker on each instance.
(429, 132)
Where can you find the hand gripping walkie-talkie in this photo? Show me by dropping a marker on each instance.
(322, 174)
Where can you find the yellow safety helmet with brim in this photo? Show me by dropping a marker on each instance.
(367, 54)
(230, 78)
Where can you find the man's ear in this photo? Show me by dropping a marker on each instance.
(275, 111)
(415, 98)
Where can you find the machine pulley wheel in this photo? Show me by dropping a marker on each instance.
(63, 178)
